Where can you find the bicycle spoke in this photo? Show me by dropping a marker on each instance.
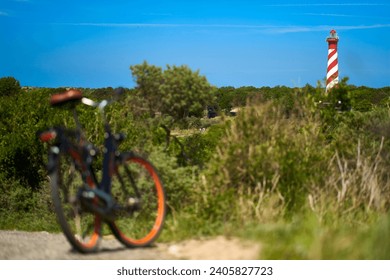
(136, 180)
(77, 224)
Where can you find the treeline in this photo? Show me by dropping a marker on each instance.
(359, 98)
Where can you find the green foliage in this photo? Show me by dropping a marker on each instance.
(25, 208)
(365, 99)
(178, 181)
(375, 242)
(148, 79)
(305, 237)
(279, 161)
(9, 86)
(177, 91)
(229, 97)
(225, 98)
(339, 98)
(264, 148)
(184, 92)
(308, 181)
(22, 116)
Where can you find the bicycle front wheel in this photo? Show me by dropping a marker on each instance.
(81, 227)
(140, 196)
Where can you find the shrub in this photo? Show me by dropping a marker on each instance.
(9, 86)
(178, 181)
(274, 162)
(267, 155)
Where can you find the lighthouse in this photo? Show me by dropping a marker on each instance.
(332, 75)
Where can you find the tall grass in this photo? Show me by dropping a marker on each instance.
(280, 172)
(354, 185)
(265, 157)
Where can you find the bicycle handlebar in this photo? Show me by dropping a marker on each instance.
(102, 104)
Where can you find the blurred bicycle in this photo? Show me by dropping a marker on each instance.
(129, 198)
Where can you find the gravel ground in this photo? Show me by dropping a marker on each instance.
(18, 245)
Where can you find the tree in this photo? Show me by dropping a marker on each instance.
(148, 79)
(9, 86)
(178, 91)
(184, 93)
(225, 98)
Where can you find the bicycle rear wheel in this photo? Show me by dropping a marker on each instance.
(140, 196)
(81, 228)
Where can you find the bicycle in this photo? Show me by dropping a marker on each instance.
(129, 198)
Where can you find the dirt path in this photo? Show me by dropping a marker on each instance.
(19, 245)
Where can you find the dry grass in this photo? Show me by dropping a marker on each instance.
(354, 185)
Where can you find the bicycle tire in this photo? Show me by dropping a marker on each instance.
(140, 227)
(80, 227)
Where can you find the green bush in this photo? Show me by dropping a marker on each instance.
(20, 151)
(9, 86)
(178, 181)
(274, 162)
(265, 149)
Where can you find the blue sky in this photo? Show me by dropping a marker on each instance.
(233, 43)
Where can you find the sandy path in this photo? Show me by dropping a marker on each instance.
(19, 245)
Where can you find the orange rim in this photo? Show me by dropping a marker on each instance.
(160, 207)
(95, 236)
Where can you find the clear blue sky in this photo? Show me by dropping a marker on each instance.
(92, 43)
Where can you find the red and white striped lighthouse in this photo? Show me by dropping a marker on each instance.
(332, 75)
